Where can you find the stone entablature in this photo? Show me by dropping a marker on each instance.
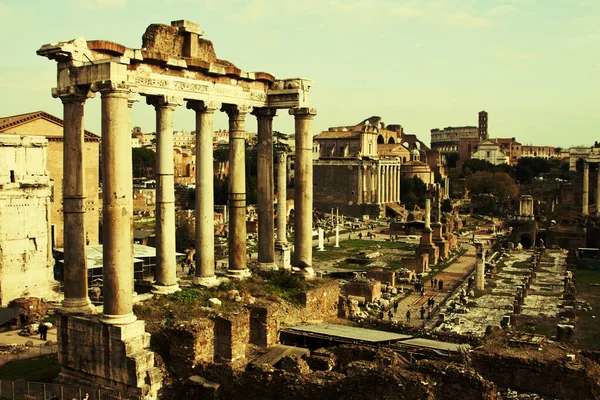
(173, 62)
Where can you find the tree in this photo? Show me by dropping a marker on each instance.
(499, 184)
(412, 191)
(143, 161)
(452, 159)
(447, 205)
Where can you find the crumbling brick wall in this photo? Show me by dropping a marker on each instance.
(232, 334)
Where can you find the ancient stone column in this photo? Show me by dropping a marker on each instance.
(379, 183)
(447, 188)
(428, 213)
(165, 272)
(586, 186)
(204, 203)
(282, 198)
(365, 182)
(303, 193)
(373, 184)
(75, 259)
(480, 271)
(237, 191)
(117, 207)
(265, 194)
(359, 177)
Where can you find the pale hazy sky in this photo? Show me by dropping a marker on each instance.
(534, 65)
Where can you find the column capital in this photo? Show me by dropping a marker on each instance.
(110, 87)
(264, 112)
(203, 106)
(281, 156)
(236, 110)
(164, 101)
(69, 94)
(303, 112)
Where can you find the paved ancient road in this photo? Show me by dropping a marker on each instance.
(452, 276)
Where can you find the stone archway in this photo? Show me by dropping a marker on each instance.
(380, 139)
(391, 140)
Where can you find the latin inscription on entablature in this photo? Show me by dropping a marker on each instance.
(190, 89)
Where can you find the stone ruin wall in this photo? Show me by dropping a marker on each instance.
(226, 337)
(26, 265)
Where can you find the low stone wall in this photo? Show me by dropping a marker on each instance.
(321, 302)
(383, 276)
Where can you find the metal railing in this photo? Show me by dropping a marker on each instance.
(22, 353)
(21, 390)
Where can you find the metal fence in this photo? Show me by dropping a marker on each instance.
(21, 390)
(28, 352)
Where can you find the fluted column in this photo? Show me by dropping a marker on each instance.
(265, 193)
(373, 175)
(165, 272)
(586, 188)
(398, 176)
(303, 193)
(75, 259)
(237, 191)
(117, 207)
(281, 198)
(393, 184)
(359, 177)
(379, 184)
(364, 184)
(204, 202)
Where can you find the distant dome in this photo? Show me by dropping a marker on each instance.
(414, 152)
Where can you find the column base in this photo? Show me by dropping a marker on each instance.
(238, 274)
(305, 273)
(267, 266)
(118, 319)
(78, 306)
(165, 289)
(320, 248)
(206, 281)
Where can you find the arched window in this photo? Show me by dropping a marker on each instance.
(391, 140)
(380, 139)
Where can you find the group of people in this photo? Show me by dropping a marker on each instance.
(437, 284)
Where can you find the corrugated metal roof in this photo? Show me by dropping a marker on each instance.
(350, 332)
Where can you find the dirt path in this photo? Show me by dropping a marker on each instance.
(452, 276)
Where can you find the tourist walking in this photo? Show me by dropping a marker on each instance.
(43, 330)
(407, 315)
(441, 285)
(422, 312)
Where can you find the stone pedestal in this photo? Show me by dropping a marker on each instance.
(426, 246)
(96, 354)
(439, 241)
(283, 252)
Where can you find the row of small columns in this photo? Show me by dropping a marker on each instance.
(586, 190)
(118, 202)
(388, 183)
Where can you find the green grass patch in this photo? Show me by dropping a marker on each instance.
(587, 328)
(351, 248)
(41, 369)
